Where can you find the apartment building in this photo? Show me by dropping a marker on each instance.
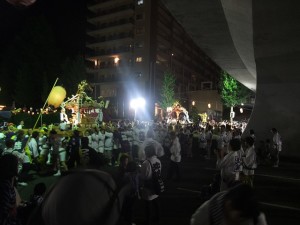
(131, 44)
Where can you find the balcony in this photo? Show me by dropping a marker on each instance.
(98, 4)
(109, 52)
(125, 10)
(112, 40)
(114, 78)
(114, 26)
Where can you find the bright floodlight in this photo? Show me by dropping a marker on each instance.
(137, 103)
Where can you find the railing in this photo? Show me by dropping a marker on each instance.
(110, 51)
(112, 37)
(115, 10)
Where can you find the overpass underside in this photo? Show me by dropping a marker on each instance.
(258, 43)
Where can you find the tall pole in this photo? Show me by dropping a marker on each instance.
(44, 105)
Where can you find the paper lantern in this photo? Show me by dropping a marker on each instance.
(56, 97)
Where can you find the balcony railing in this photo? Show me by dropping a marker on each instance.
(103, 79)
(113, 37)
(110, 51)
(118, 9)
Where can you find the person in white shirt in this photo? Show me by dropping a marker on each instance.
(101, 136)
(159, 151)
(10, 150)
(249, 162)
(229, 164)
(33, 146)
(108, 144)
(151, 200)
(95, 138)
(21, 125)
(175, 151)
(277, 146)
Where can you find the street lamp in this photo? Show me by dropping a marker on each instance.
(208, 111)
(193, 103)
(137, 103)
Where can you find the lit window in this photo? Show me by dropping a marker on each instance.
(139, 59)
(97, 62)
(116, 60)
(139, 45)
(140, 2)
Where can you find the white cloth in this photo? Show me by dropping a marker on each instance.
(101, 137)
(19, 155)
(64, 117)
(159, 150)
(108, 144)
(95, 141)
(230, 168)
(249, 161)
(33, 146)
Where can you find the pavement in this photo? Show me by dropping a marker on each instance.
(277, 189)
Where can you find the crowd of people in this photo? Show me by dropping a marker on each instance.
(78, 156)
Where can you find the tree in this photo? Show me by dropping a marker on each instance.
(167, 91)
(233, 93)
(73, 72)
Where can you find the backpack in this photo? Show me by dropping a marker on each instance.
(156, 182)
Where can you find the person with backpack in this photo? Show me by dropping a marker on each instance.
(148, 193)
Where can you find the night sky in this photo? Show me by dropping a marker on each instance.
(66, 17)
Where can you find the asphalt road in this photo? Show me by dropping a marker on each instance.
(278, 190)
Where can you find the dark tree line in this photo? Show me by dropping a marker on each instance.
(31, 62)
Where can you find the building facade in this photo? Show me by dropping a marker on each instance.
(131, 44)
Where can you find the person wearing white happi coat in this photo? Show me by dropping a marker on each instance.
(108, 144)
(150, 198)
(33, 145)
(159, 151)
(277, 146)
(229, 164)
(249, 163)
(95, 139)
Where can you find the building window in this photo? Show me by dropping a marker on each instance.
(139, 44)
(139, 16)
(139, 59)
(206, 85)
(140, 2)
(139, 30)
